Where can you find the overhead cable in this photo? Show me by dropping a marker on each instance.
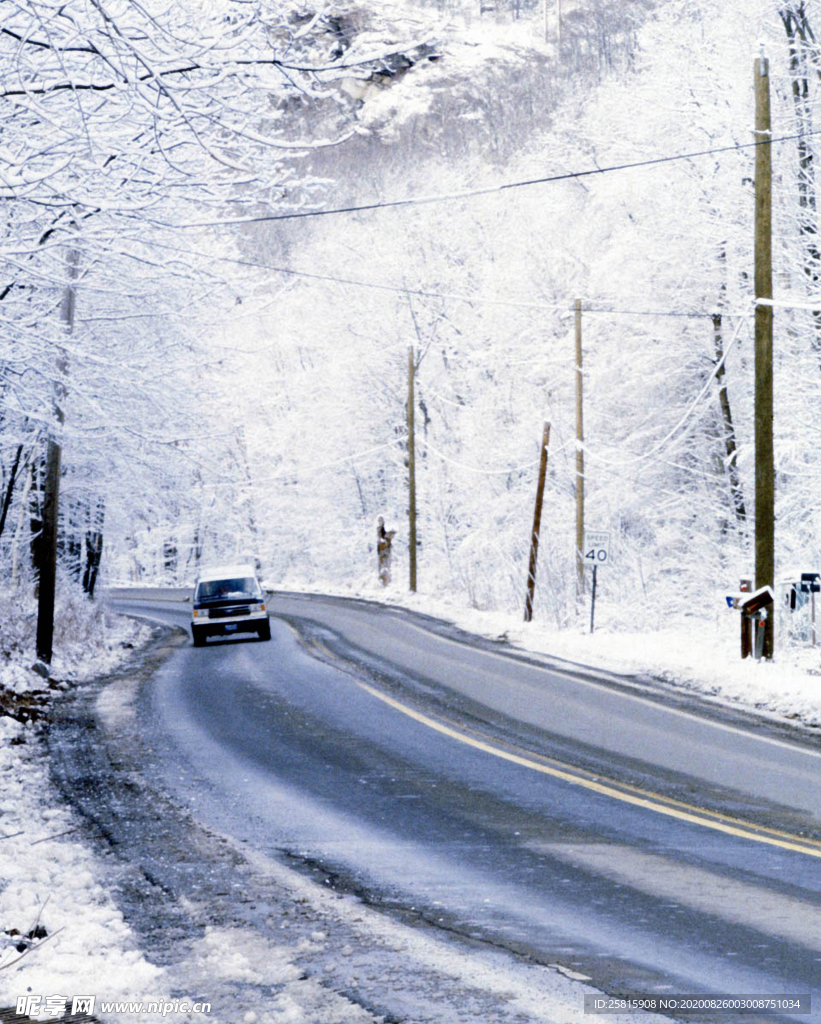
(494, 189)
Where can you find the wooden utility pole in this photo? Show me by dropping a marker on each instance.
(764, 458)
(579, 457)
(47, 584)
(537, 523)
(411, 472)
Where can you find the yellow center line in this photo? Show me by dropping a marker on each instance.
(626, 794)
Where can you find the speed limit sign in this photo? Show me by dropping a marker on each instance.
(597, 548)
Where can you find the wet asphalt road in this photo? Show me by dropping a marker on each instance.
(428, 803)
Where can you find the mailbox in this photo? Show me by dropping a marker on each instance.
(753, 607)
(757, 602)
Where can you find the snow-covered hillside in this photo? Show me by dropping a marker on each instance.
(271, 419)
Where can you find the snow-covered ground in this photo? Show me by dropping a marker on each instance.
(62, 934)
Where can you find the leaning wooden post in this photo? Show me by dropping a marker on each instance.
(537, 521)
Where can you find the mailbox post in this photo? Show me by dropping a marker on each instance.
(811, 584)
(745, 586)
(755, 609)
(802, 589)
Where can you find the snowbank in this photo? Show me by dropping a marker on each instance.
(61, 933)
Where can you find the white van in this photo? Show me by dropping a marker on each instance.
(228, 599)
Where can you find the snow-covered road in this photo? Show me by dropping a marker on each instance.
(262, 935)
(424, 795)
(376, 817)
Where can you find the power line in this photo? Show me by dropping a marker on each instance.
(659, 312)
(492, 189)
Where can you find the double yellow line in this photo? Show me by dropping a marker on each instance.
(633, 795)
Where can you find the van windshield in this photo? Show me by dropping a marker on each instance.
(212, 590)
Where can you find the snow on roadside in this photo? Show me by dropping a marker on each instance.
(696, 654)
(61, 933)
(50, 896)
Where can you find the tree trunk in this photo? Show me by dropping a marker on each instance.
(731, 449)
(18, 532)
(47, 587)
(801, 38)
(70, 542)
(169, 557)
(94, 549)
(10, 487)
(247, 502)
(36, 516)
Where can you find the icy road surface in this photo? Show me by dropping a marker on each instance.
(531, 827)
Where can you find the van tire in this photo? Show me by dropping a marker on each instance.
(198, 636)
(265, 631)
